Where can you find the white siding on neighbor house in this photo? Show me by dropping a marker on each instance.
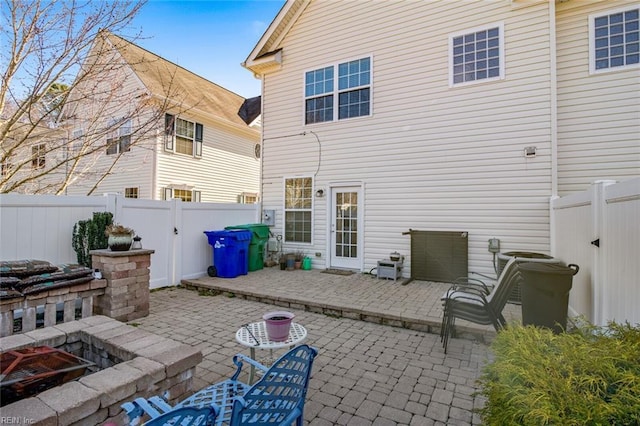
(430, 157)
(134, 168)
(228, 166)
(598, 114)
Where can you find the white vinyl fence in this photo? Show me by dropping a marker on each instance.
(599, 230)
(41, 227)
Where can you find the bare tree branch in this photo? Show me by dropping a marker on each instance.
(66, 92)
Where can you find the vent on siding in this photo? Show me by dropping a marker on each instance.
(438, 255)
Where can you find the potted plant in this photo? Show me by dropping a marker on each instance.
(119, 237)
(299, 255)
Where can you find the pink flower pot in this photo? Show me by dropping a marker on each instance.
(278, 324)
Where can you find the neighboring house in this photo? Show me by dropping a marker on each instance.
(174, 134)
(461, 116)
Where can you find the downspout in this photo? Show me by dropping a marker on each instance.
(262, 78)
(553, 89)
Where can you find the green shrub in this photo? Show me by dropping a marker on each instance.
(590, 376)
(89, 235)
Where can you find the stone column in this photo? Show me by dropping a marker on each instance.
(127, 273)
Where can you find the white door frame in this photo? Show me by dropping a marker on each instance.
(340, 262)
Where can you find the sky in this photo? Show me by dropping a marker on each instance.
(208, 37)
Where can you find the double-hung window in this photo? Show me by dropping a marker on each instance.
(614, 40)
(131, 192)
(476, 55)
(185, 194)
(297, 209)
(38, 156)
(119, 139)
(338, 92)
(183, 136)
(7, 165)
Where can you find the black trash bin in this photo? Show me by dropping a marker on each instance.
(526, 256)
(545, 294)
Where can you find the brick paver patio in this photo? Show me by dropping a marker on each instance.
(367, 373)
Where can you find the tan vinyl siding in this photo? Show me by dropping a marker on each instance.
(228, 166)
(599, 114)
(429, 156)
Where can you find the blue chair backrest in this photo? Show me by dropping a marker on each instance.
(279, 396)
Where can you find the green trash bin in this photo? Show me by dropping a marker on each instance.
(545, 294)
(260, 236)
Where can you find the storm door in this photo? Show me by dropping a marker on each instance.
(346, 228)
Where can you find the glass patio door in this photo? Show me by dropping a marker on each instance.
(346, 228)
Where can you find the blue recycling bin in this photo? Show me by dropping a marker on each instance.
(230, 252)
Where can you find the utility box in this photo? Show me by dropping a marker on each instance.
(389, 269)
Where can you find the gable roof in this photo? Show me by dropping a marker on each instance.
(163, 78)
(266, 55)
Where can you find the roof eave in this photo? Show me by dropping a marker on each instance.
(266, 63)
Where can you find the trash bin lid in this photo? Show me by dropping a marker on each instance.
(547, 268)
(260, 230)
(523, 254)
(237, 234)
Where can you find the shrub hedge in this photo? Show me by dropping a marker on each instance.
(589, 376)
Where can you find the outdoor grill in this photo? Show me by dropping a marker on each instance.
(26, 372)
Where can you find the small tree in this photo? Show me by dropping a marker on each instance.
(64, 94)
(89, 235)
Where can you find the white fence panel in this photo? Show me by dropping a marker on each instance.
(600, 231)
(197, 254)
(573, 222)
(41, 227)
(153, 221)
(621, 252)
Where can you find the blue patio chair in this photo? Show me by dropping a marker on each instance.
(185, 416)
(276, 399)
(478, 303)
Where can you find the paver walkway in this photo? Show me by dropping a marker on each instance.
(366, 373)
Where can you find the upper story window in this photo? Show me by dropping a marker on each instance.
(476, 55)
(349, 94)
(38, 160)
(614, 40)
(77, 140)
(119, 139)
(297, 209)
(7, 165)
(182, 136)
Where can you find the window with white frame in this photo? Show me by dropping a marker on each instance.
(614, 40)
(77, 140)
(298, 209)
(7, 165)
(183, 136)
(248, 198)
(476, 55)
(187, 195)
(38, 156)
(119, 139)
(349, 94)
(131, 192)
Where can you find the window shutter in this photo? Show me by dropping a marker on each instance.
(196, 196)
(167, 194)
(198, 145)
(169, 131)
